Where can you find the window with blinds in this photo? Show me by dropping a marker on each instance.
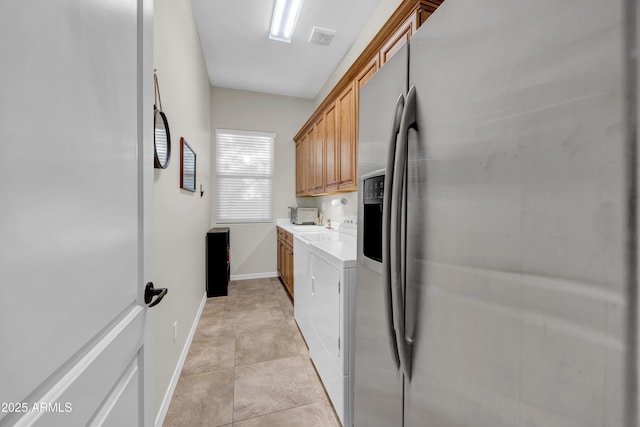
(244, 176)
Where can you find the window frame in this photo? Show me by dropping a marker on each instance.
(224, 216)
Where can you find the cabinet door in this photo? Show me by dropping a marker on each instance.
(289, 268)
(423, 13)
(399, 38)
(291, 271)
(318, 170)
(361, 79)
(311, 160)
(346, 139)
(302, 166)
(367, 72)
(285, 266)
(280, 257)
(330, 163)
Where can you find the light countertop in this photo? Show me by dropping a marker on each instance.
(340, 250)
(285, 224)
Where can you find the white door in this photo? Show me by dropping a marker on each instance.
(75, 174)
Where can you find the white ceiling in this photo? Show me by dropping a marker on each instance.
(240, 55)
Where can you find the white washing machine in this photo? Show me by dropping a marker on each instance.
(302, 275)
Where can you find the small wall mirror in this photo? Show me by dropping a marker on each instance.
(161, 140)
(187, 166)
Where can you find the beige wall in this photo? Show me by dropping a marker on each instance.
(181, 217)
(335, 213)
(253, 246)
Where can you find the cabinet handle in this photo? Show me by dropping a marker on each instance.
(313, 285)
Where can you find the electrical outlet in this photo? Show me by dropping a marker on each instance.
(175, 331)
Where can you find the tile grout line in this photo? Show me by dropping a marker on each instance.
(272, 290)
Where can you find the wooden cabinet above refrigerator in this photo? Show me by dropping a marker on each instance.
(327, 144)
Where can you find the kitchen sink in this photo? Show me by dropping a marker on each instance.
(320, 236)
(312, 228)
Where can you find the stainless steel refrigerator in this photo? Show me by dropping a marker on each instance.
(497, 252)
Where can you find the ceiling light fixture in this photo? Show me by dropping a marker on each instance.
(285, 17)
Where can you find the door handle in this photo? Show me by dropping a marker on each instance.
(386, 230)
(150, 292)
(397, 237)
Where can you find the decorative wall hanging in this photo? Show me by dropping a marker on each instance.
(161, 134)
(187, 166)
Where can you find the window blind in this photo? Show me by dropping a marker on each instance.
(244, 176)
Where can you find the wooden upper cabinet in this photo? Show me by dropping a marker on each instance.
(330, 165)
(327, 144)
(418, 16)
(361, 79)
(318, 169)
(311, 160)
(298, 170)
(302, 170)
(367, 72)
(398, 39)
(424, 11)
(346, 104)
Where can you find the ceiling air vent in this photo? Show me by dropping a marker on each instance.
(321, 36)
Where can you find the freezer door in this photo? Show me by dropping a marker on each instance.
(377, 109)
(517, 213)
(377, 379)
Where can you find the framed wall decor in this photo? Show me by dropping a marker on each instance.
(187, 166)
(161, 140)
(161, 134)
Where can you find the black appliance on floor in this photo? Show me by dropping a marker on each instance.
(218, 265)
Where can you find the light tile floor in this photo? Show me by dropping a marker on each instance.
(248, 366)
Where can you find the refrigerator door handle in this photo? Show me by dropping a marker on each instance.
(398, 263)
(387, 275)
(411, 307)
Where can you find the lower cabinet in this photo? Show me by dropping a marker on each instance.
(329, 333)
(280, 254)
(285, 259)
(288, 247)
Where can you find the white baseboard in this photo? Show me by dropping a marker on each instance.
(254, 276)
(164, 408)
